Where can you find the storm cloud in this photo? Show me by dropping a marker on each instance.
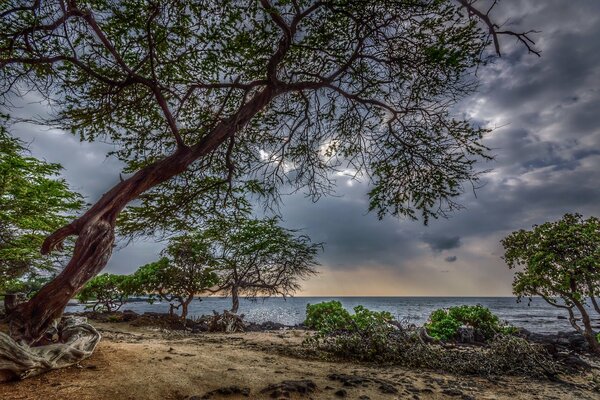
(546, 143)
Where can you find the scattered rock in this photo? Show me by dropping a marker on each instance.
(224, 391)
(276, 390)
(388, 388)
(341, 393)
(452, 392)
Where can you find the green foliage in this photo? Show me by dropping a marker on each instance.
(443, 324)
(258, 257)
(560, 262)
(330, 316)
(327, 316)
(373, 83)
(107, 292)
(33, 204)
(28, 285)
(185, 271)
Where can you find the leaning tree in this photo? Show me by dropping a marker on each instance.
(201, 98)
(258, 257)
(561, 264)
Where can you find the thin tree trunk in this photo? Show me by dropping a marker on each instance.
(95, 229)
(185, 306)
(588, 330)
(235, 300)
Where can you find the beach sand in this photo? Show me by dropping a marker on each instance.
(149, 363)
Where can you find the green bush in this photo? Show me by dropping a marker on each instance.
(443, 324)
(330, 316)
(326, 317)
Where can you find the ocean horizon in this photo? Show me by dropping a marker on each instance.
(535, 315)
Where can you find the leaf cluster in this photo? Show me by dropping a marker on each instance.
(330, 316)
(34, 202)
(346, 85)
(106, 292)
(443, 324)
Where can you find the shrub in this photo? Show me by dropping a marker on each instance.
(327, 317)
(505, 355)
(443, 324)
(331, 316)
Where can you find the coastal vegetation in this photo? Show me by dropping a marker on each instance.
(378, 337)
(184, 271)
(445, 324)
(34, 202)
(106, 292)
(258, 257)
(206, 102)
(560, 262)
(216, 107)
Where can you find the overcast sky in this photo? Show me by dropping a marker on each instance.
(546, 112)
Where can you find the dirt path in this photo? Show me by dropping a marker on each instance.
(141, 363)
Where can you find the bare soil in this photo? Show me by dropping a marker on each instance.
(150, 363)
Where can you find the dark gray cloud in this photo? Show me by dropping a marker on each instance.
(439, 243)
(547, 158)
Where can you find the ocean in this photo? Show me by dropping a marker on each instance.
(536, 316)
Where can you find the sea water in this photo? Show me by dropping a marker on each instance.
(535, 315)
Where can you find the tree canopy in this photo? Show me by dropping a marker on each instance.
(258, 257)
(185, 271)
(560, 260)
(107, 292)
(205, 100)
(34, 203)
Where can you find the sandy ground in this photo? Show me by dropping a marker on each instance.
(145, 363)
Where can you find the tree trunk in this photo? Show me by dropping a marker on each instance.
(95, 229)
(588, 332)
(184, 307)
(11, 301)
(235, 300)
(92, 251)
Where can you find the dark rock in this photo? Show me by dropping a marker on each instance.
(227, 391)
(304, 386)
(265, 326)
(129, 315)
(341, 393)
(388, 388)
(364, 397)
(349, 380)
(452, 392)
(575, 362)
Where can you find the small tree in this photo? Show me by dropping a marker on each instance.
(184, 272)
(561, 260)
(258, 257)
(108, 292)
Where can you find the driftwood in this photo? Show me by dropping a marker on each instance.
(76, 341)
(227, 322)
